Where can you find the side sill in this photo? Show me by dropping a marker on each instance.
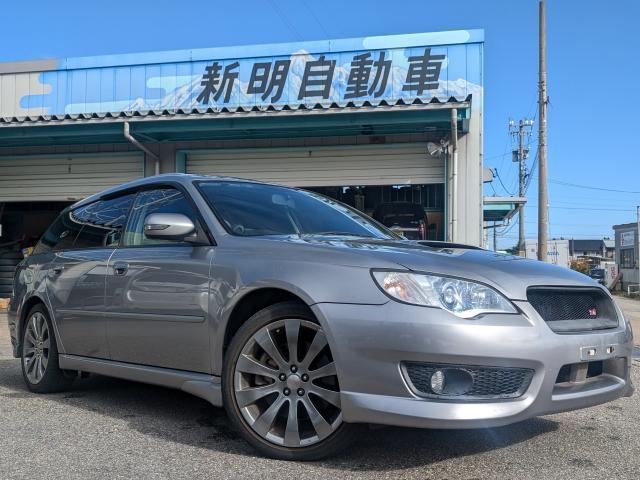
(201, 385)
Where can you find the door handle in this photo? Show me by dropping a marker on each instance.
(57, 270)
(120, 268)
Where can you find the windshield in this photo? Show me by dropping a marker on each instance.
(252, 209)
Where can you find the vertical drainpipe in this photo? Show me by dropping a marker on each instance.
(454, 175)
(137, 144)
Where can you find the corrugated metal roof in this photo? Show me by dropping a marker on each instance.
(211, 112)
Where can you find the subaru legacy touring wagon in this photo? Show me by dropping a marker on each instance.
(305, 318)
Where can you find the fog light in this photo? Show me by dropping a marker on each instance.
(437, 382)
(451, 381)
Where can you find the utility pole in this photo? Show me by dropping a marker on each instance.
(637, 255)
(520, 155)
(495, 237)
(543, 200)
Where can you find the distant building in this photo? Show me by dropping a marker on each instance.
(557, 251)
(609, 248)
(626, 253)
(563, 251)
(595, 251)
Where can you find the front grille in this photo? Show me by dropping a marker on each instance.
(573, 309)
(488, 382)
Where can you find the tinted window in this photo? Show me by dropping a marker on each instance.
(97, 224)
(60, 235)
(250, 209)
(164, 200)
(102, 222)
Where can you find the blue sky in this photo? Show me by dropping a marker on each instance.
(593, 65)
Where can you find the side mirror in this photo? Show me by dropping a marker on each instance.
(168, 226)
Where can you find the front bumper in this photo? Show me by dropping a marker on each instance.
(369, 344)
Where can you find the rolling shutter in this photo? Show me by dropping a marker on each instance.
(65, 177)
(388, 164)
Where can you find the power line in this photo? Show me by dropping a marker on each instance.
(284, 19)
(495, 170)
(590, 187)
(315, 18)
(497, 156)
(624, 210)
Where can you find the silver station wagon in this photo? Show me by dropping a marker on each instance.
(305, 318)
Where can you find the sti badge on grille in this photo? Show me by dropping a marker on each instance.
(593, 312)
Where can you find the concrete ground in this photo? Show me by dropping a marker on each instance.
(106, 428)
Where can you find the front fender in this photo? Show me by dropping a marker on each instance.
(232, 279)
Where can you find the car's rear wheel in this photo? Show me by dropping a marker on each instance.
(281, 386)
(40, 368)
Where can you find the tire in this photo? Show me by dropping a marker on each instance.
(264, 423)
(40, 368)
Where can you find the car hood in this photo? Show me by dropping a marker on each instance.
(509, 274)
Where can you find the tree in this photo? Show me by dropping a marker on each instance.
(512, 250)
(581, 266)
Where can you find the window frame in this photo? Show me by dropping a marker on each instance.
(70, 209)
(102, 199)
(200, 223)
(628, 254)
(133, 191)
(224, 225)
(65, 211)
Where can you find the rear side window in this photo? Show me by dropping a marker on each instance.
(102, 222)
(60, 235)
(95, 225)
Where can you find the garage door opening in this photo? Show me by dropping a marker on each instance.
(416, 211)
(21, 226)
(399, 184)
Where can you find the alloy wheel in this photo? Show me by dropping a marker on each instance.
(36, 347)
(286, 386)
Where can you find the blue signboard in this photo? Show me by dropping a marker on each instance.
(371, 69)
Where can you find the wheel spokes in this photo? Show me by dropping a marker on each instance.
(35, 331)
(35, 347)
(29, 336)
(264, 422)
(31, 362)
(318, 343)
(322, 427)
(251, 395)
(292, 430)
(327, 395)
(44, 360)
(292, 327)
(328, 370)
(288, 411)
(39, 369)
(264, 339)
(246, 364)
(28, 351)
(41, 327)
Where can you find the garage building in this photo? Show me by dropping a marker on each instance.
(376, 122)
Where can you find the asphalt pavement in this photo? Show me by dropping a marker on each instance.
(107, 428)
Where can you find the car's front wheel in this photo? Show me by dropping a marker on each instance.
(281, 387)
(40, 368)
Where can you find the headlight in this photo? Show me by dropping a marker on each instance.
(461, 297)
